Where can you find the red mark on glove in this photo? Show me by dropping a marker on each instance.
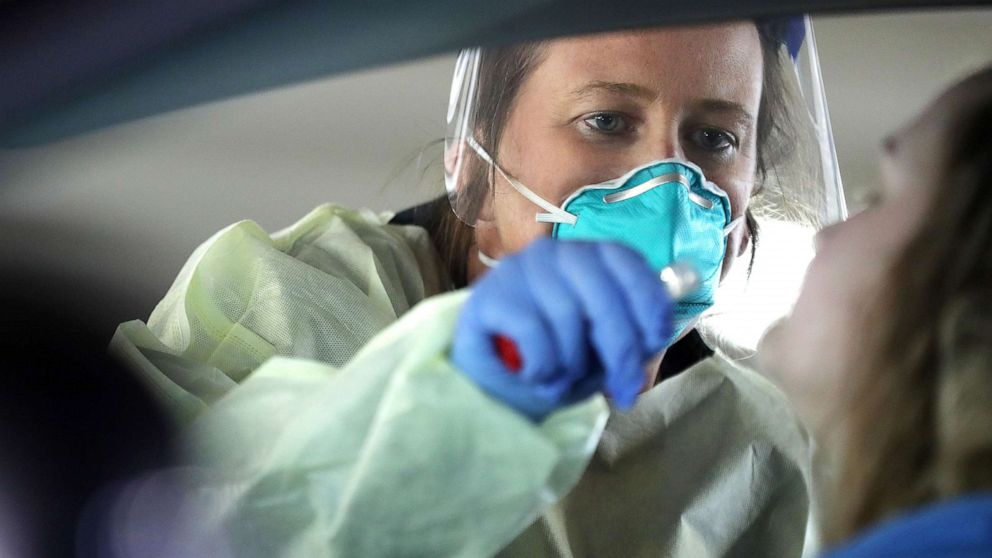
(508, 353)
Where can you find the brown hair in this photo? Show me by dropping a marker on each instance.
(502, 71)
(919, 422)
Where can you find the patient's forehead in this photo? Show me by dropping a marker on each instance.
(944, 113)
(915, 156)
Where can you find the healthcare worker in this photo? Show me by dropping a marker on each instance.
(342, 420)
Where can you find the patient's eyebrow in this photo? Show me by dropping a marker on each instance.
(728, 108)
(628, 89)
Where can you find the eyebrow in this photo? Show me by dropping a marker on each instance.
(735, 110)
(629, 89)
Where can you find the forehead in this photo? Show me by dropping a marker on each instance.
(915, 154)
(949, 107)
(719, 61)
(925, 132)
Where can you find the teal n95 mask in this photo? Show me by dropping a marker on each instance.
(666, 210)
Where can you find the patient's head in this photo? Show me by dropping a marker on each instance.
(888, 354)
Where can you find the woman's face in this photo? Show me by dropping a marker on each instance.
(809, 352)
(597, 106)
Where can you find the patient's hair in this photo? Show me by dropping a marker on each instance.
(920, 419)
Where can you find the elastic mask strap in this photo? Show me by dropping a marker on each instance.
(554, 213)
(486, 260)
(732, 225)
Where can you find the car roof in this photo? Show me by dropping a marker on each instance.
(74, 67)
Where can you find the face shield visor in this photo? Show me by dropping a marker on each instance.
(743, 103)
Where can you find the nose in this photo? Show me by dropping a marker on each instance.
(665, 144)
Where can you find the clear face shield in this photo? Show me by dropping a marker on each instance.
(737, 109)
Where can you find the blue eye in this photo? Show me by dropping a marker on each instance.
(713, 139)
(606, 122)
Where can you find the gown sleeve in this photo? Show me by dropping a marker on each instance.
(327, 409)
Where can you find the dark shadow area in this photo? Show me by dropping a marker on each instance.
(71, 419)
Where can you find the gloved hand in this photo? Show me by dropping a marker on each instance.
(584, 317)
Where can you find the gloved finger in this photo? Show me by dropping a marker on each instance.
(613, 331)
(560, 307)
(592, 381)
(506, 307)
(472, 353)
(643, 293)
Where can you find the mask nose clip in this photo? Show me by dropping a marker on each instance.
(558, 215)
(669, 178)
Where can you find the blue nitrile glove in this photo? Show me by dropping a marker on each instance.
(583, 316)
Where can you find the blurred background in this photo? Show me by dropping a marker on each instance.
(125, 206)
